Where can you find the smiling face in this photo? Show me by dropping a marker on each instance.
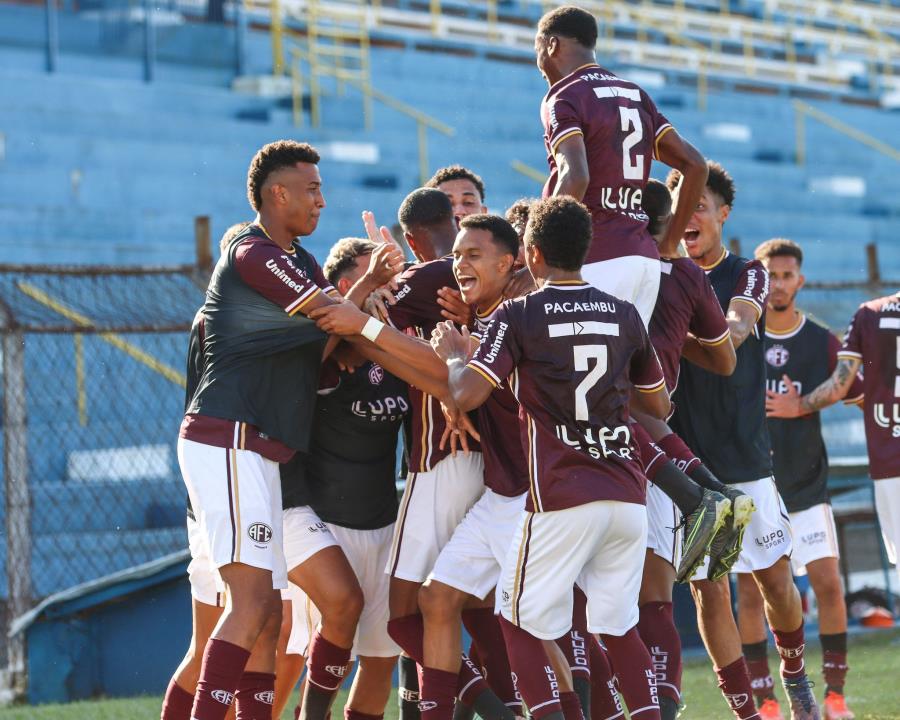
(703, 235)
(482, 269)
(297, 191)
(464, 197)
(785, 281)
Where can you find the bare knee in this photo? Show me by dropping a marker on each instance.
(829, 591)
(345, 605)
(778, 588)
(439, 603)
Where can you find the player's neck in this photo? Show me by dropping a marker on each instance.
(557, 275)
(274, 230)
(572, 64)
(782, 321)
(711, 257)
(486, 306)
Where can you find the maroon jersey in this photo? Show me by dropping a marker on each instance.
(505, 468)
(874, 338)
(572, 354)
(686, 303)
(416, 312)
(621, 128)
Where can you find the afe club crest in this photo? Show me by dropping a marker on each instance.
(777, 356)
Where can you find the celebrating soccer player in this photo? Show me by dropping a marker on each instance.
(602, 133)
(800, 353)
(464, 188)
(722, 419)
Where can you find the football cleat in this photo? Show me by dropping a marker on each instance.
(835, 707)
(726, 546)
(803, 702)
(770, 710)
(700, 527)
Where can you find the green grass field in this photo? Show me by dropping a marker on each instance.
(873, 689)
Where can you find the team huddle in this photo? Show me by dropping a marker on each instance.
(582, 388)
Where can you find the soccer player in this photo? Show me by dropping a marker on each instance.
(464, 188)
(347, 481)
(570, 354)
(517, 216)
(722, 419)
(601, 133)
(803, 353)
(871, 344)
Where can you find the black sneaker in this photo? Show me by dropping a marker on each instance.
(700, 527)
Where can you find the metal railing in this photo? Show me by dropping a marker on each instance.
(803, 110)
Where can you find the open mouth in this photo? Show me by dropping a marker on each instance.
(691, 236)
(466, 282)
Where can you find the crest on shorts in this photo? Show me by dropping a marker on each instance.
(376, 374)
(260, 533)
(777, 356)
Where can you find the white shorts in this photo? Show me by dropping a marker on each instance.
(201, 573)
(767, 538)
(815, 536)
(600, 546)
(433, 504)
(887, 505)
(664, 534)
(236, 498)
(367, 552)
(304, 535)
(471, 561)
(633, 278)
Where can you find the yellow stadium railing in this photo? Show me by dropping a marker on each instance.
(803, 110)
(423, 121)
(532, 173)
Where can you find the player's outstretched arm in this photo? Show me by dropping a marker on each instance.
(572, 162)
(790, 404)
(468, 388)
(741, 317)
(677, 153)
(719, 358)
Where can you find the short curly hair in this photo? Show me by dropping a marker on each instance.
(272, 157)
(456, 172)
(779, 247)
(342, 256)
(561, 227)
(424, 207)
(502, 233)
(718, 181)
(517, 214)
(571, 22)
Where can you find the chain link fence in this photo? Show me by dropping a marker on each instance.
(93, 392)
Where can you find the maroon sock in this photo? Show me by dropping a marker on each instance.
(761, 681)
(605, 703)
(534, 675)
(834, 661)
(437, 694)
(351, 714)
(487, 639)
(407, 632)
(327, 665)
(571, 706)
(734, 682)
(223, 665)
(254, 696)
(470, 682)
(177, 703)
(679, 453)
(657, 630)
(790, 646)
(637, 682)
(474, 655)
(574, 644)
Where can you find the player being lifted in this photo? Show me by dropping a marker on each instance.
(722, 419)
(802, 353)
(570, 354)
(601, 133)
(872, 343)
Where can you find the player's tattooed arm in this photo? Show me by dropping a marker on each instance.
(742, 318)
(572, 162)
(791, 404)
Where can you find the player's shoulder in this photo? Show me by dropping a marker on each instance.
(441, 267)
(684, 269)
(814, 327)
(888, 303)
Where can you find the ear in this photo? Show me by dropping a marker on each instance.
(278, 193)
(724, 212)
(505, 263)
(343, 285)
(802, 278)
(553, 45)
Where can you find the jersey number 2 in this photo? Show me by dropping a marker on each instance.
(583, 353)
(631, 119)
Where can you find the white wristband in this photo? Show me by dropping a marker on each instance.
(371, 329)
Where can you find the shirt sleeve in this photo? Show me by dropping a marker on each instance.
(659, 124)
(416, 295)
(645, 372)
(499, 351)
(852, 347)
(563, 121)
(708, 322)
(318, 275)
(855, 393)
(752, 287)
(275, 275)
